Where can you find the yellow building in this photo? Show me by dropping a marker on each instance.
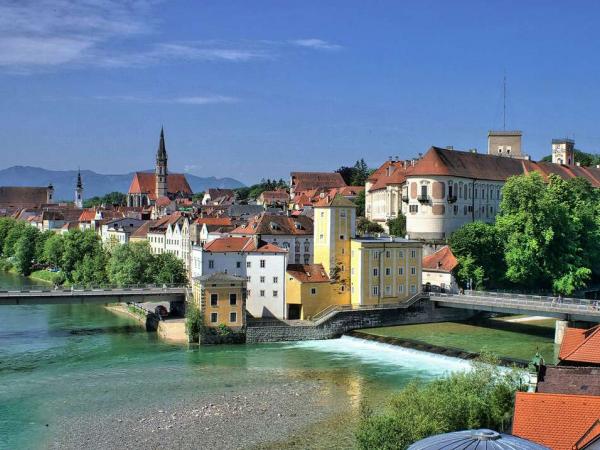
(384, 269)
(334, 227)
(309, 291)
(221, 299)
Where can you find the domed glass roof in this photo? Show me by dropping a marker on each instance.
(475, 440)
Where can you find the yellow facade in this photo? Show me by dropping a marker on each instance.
(384, 270)
(310, 297)
(334, 227)
(221, 299)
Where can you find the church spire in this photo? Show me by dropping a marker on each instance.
(79, 183)
(161, 167)
(79, 191)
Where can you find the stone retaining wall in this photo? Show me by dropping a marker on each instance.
(422, 311)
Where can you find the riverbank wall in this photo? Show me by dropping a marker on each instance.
(422, 311)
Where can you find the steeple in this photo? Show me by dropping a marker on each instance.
(79, 191)
(161, 167)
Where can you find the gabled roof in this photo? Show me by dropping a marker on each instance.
(308, 273)
(87, 215)
(390, 172)
(335, 201)
(145, 183)
(443, 260)
(302, 181)
(220, 276)
(557, 421)
(581, 346)
(273, 224)
(142, 231)
(240, 244)
(221, 221)
(23, 197)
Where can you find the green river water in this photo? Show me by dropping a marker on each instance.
(60, 361)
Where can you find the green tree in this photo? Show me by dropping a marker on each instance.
(359, 201)
(53, 250)
(112, 198)
(91, 270)
(25, 250)
(469, 274)
(478, 244)
(168, 269)
(365, 226)
(13, 235)
(397, 226)
(6, 224)
(40, 244)
(131, 263)
(77, 244)
(480, 398)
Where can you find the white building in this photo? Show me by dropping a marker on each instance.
(177, 238)
(438, 271)
(262, 264)
(118, 231)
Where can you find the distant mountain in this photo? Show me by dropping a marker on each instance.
(94, 184)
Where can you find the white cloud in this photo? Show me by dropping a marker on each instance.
(316, 44)
(187, 100)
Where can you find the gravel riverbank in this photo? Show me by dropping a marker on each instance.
(258, 419)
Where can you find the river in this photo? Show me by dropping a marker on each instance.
(74, 376)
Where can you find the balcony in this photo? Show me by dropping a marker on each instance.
(452, 199)
(423, 198)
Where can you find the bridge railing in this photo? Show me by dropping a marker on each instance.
(557, 303)
(95, 288)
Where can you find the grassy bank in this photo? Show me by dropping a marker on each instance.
(43, 275)
(518, 340)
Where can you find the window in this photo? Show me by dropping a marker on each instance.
(400, 270)
(238, 264)
(233, 317)
(375, 271)
(232, 299)
(388, 290)
(450, 188)
(375, 254)
(262, 263)
(306, 259)
(262, 293)
(401, 289)
(321, 237)
(214, 299)
(313, 291)
(341, 237)
(375, 290)
(424, 190)
(413, 289)
(413, 253)
(413, 270)
(388, 271)
(275, 279)
(262, 279)
(413, 208)
(214, 317)
(248, 264)
(211, 264)
(297, 258)
(387, 253)
(400, 253)
(343, 213)
(248, 279)
(275, 293)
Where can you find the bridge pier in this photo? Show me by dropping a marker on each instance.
(560, 330)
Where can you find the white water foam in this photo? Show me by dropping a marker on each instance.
(392, 356)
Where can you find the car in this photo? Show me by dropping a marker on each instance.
(161, 311)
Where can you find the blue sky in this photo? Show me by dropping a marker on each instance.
(254, 89)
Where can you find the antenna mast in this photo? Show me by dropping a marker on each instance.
(504, 104)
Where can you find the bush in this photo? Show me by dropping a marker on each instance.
(480, 398)
(193, 321)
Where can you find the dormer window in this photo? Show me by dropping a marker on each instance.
(274, 226)
(298, 225)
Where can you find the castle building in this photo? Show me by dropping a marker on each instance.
(146, 188)
(505, 143)
(447, 188)
(79, 192)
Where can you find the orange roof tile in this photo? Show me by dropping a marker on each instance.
(581, 346)
(240, 244)
(442, 260)
(308, 273)
(557, 421)
(274, 224)
(145, 183)
(87, 215)
(222, 221)
(391, 172)
(302, 181)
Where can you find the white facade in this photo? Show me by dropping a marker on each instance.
(157, 241)
(439, 280)
(264, 272)
(177, 240)
(439, 205)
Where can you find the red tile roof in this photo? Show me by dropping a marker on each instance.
(391, 172)
(581, 346)
(23, 197)
(222, 221)
(557, 421)
(145, 183)
(240, 244)
(442, 260)
(439, 161)
(308, 273)
(302, 181)
(87, 215)
(273, 224)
